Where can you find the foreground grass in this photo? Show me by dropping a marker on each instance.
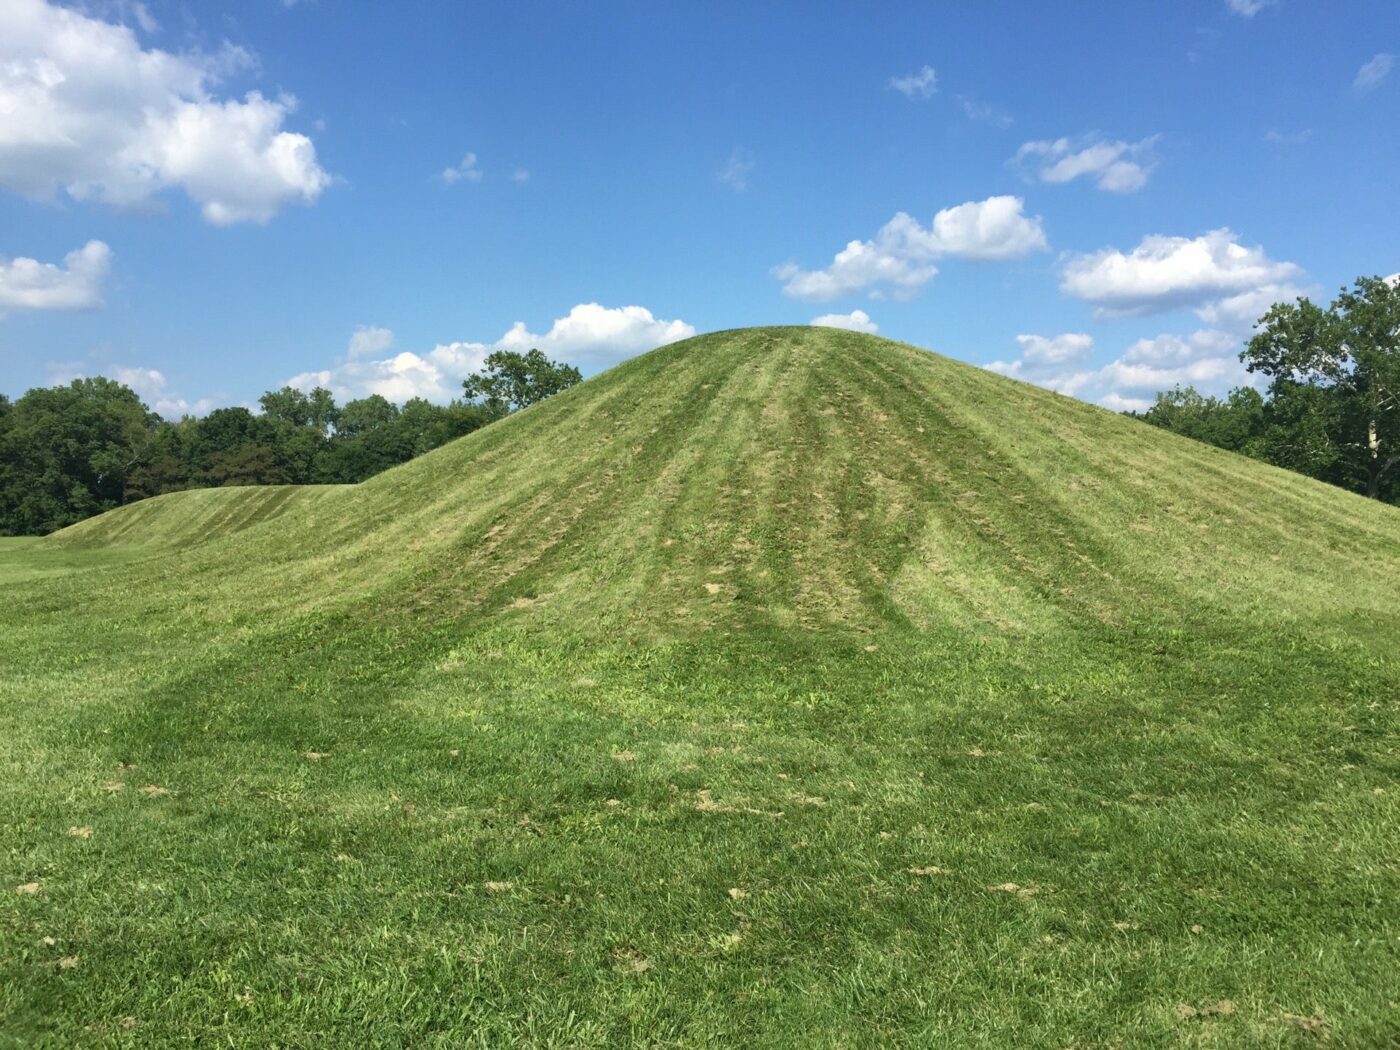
(830, 746)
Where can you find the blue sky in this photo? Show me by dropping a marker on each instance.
(209, 200)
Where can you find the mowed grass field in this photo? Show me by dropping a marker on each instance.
(782, 687)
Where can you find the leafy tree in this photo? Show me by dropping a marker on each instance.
(513, 380)
(1336, 376)
(365, 415)
(1234, 423)
(70, 452)
(248, 465)
(66, 453)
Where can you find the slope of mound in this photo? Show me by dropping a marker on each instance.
(782, 687)
(810, 477)
(185, 519)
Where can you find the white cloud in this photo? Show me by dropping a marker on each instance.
(367, 340)
(87, 111)
(1057, 362)
(1238, 313)
(1248, 8)
(1037, 350)
(1370, 75)
(150, 385)
(1207, 359)
(154, 389)
(1119, 167)
(923, 84)
(466, 169)
(589, 335)
(855, 321)
(901, 255)
(1162, 273)
(520, 175)
(992, 229)
(27, 284)
(735, 173)
(984, 112)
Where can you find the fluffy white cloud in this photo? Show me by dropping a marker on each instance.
(590, 335)
(1162, 273)
(465, 169)
(1370, 75)
(1248, 8)
(84, 109)
(1238, 313)
(995, 228)
(1057, 362)
(923, 84)
(27, 284)
(735, 173)
(1207, 359)
(855, 321)
(1119, 167)
(900, 257)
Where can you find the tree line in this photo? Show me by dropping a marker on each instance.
(1331, 408)
(69, 452)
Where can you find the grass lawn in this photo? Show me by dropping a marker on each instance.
(785, 687)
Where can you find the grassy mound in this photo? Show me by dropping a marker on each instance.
(779, 687)
(183, 519)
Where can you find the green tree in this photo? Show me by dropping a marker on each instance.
(288, 405)
(364, 415)
(1336, 377)
(513, 380)
(1234, 423)
(66, 453)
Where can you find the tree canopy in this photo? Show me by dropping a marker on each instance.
(513, 380)
(1331, 409)
(72, 451)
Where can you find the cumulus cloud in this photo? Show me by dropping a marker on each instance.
(923, 84)
(1163, 273)
(1057, 362)
(464, 169)
(899, 259)
(590, 336)
(735, 173)
(855, 321)
(1116, 166)
(995, 229)
(1207, 359)
(519, 175)
(89, 112)
(1248, 8)
(1370, 75)
(27, 284)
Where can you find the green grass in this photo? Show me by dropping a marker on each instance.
(641, 712)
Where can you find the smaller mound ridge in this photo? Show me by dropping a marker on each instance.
(185, 519)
